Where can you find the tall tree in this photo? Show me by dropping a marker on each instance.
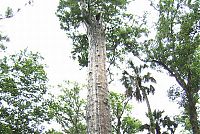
(176, 49)
(67, 110)
(139, 86)
(106, 24)
(134, 84)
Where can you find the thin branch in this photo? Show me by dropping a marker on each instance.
(153, 5)
(125, 104)
(85, 12)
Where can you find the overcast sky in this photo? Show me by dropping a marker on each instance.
(37, 28)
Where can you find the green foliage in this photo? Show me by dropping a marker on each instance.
(163, 124)
(183, 120)
(121, 31)
(9, 12)
(5, 129)
(52, 131)
(122, 122)
(22, 86)
(130, 125)
(134, 82)
(176, 49)
(3, 39)
(68, 109)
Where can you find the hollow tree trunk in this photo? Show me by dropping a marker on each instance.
(98, 113)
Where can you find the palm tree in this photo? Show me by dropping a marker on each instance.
(134, 83)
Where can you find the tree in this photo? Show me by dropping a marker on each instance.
(68, 109)
(134, 84)
(176, 95)
(122, 122)
(163, 125)
(176, 49)
(23, 83)
(137, 85)
(105, 22)
(22, 86)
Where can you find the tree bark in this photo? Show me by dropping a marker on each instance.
(152, 122)
(191, 105)
(190, 95)
(98, 113)
(191, 109)
(118, 125)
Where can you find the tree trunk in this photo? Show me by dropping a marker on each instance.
(192, 111)
(152, 122)
(193, 116)
(191, 105)
(98, 113)
(118, 125)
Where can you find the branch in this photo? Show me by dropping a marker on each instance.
(173, 73)
(152, 4)
(125, 104)
(85, 12)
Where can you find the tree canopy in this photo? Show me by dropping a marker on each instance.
(23, 82)
(175, 48)
(121, 29)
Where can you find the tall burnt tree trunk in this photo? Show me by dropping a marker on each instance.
(98, 113)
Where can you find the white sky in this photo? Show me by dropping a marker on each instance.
(37, 28)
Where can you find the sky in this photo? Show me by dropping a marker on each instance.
(37, 28)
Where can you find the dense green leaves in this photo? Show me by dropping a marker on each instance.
(68, 109)
(121, 29)
(163, 124)
(22, 86)
(122, 122)
(176, 49)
